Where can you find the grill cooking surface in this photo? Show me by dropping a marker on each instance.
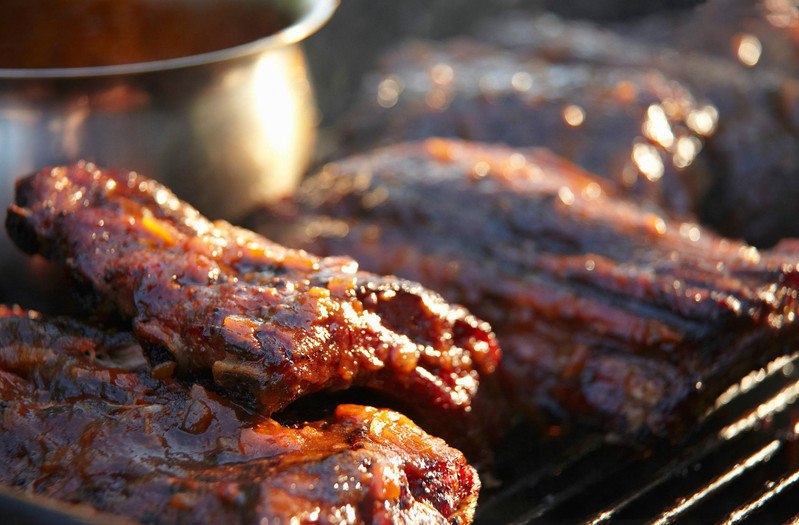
(741, 465)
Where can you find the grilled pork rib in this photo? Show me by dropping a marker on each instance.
(698, 111)
(739, 58)
(84, 421)
(265, 324)
(603, 308)
(620, 121)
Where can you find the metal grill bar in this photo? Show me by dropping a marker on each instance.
(574, 490)
(742, 466)
(666, 474)
(752, 461)
(747, 510)
(787, 396)
(781, 365)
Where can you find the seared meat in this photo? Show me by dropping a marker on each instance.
(748, 164)
(77, 427)
(265, 324)
(603, 308)
(762, 34)
(669, 106)
(629, 123)
(750, 75)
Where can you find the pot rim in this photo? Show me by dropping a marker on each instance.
(313, 15)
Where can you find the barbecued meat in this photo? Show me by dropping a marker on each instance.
(629, 123)
(77, 426)
(750, 75)
(265, 324)
(603, 308)
(671, 98)
(752, 157)
(762, 34)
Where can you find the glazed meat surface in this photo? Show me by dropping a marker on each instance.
(696, 111)
(747, 67)
(736, 56)
(84, 420)
(604, 309)
(621, 121)
(761, 34)
(263, 323)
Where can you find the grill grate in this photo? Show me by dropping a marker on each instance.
(740, 466)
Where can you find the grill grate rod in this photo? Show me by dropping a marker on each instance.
(574, 489)
(743, 512)
(752, 380)
(752, 461)
(667, 473)
(741, 426)
(777, 403)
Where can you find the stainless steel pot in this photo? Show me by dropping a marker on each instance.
(224, 129)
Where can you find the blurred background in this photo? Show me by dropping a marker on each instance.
(361, 30)
(690, 106)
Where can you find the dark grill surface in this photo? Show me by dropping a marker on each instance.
(740, 465)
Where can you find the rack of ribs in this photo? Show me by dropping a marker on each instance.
(622, 121)
(264, 324)
(84, 420)
(605, 310)
(736, 56)
(697, 111)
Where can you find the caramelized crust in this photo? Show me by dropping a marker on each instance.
(265, 324)
(607, 118)
(697, 111)
(83, 420)
(739, 59)
(604, 309)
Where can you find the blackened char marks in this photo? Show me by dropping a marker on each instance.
(604, 309)
(269, 324)
(71, 394)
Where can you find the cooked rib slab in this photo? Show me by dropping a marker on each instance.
(77, 426)
(749, 161)
(266, 324)
(603, 308)
(667, 106)
(607, 118)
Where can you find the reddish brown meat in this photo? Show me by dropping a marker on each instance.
(751, 159)
(761, 34)
(265, 323)
(76, 426)
(750, 75)
(621, 121)
(705, 103)
(603, 308)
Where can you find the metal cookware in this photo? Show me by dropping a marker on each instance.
(223, 129)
